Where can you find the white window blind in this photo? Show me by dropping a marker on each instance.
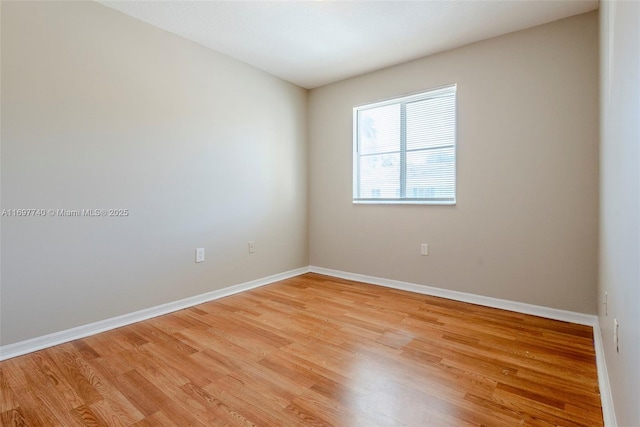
(404, 149)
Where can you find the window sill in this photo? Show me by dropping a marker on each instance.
(404, 202)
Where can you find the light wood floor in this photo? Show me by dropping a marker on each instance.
(314, 350)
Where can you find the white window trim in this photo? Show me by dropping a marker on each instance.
(431, 93)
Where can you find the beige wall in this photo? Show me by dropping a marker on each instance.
(525, 227)
(620, 202)
(100, 110)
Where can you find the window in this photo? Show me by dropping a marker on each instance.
(404, 149)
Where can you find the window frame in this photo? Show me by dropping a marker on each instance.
(441, 91)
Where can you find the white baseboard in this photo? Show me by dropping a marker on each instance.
(38, 343)
(520, 307)
(608, 412)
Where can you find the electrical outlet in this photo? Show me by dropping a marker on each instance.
(252, 247)
(616, 335)
(424, 249)
(200, 255)
(606, 304)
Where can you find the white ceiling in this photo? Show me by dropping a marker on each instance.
(312, 43)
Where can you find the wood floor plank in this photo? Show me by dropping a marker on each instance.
(35, 411)
(8, 401)
(113, 414)
(71, 375)
(86, 416)
(13, 417)
(314, 350)
(222, 412)
(55, 403)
